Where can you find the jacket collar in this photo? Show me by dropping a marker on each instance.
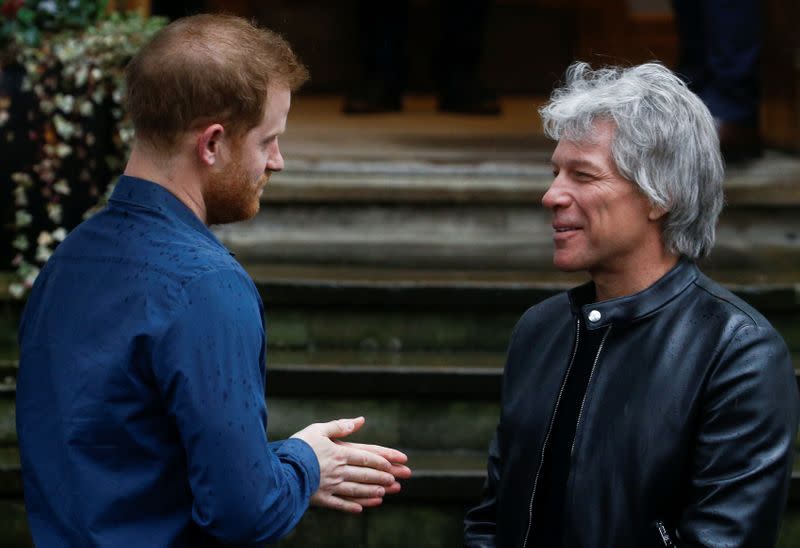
(631, 307)
(133, 191)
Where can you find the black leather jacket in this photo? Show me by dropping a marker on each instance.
(689, 420)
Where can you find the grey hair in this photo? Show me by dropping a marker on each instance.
(665, 141)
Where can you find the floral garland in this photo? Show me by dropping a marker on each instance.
(76, 79)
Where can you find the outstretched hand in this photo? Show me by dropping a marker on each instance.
(353, 476)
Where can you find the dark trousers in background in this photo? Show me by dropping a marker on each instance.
(383, 50)
(719, 50)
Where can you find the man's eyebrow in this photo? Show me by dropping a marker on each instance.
(575, 164)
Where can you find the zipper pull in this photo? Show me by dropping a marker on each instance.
(666, 539)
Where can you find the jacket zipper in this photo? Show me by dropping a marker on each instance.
(585, 394)
(550, 429)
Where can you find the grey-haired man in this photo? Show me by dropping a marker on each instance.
(650, 406)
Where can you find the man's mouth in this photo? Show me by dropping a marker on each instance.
(562, 228)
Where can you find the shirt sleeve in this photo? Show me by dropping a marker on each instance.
(207, 365)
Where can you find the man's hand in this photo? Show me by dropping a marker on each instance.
(353, 476)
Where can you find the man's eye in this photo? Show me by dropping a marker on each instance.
(582, 175)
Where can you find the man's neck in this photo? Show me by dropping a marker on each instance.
(615, 283)
(174, 174)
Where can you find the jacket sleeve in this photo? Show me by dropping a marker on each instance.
(207, 367)
(480, 523)
(744, 444)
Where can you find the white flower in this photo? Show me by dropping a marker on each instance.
(47, 107)
(22, 179)
(62, 151)
(23, 218)
(16, 290)
(59, 234)
(81, 75)
(21, 243)
(63, 127)
(20, 197)
(62, 187)
(86, 108)
(48, 6)
(45, 238)
(65, 103)
(43, 253)
(126, 135)
(55, 212)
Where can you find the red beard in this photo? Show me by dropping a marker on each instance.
(230, 196)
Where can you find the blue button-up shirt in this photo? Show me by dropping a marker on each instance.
(140, 398)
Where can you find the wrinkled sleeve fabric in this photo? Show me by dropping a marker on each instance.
(744, 445)
(480, 523)
(207, 365)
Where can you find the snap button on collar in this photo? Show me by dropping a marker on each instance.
(594, 316)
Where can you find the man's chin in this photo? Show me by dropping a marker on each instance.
(228, 217)
(565, 265)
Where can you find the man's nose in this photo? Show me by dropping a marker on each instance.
(556, 195)
(275, 160)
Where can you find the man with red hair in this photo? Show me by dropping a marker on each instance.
(140, 398)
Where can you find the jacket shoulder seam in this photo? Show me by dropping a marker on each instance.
(753, 320)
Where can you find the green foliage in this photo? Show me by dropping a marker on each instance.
(24, 21)
(77, 124)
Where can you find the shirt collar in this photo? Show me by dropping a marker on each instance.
(149, 195)
(632, 307)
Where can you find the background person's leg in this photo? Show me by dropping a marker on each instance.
(382, 34)
(458, 57)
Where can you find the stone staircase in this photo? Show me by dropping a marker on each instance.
(394, 256)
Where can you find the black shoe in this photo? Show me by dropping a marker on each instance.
(739, 143)
(372, 99)
(478, 102)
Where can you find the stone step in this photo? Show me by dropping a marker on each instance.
(353, 374)
(418, 407)
(447, 210)
(514, 236)
(419, 288)
(396, 524)
(438, 477)
(519, 177)
(408, 420)
(330, 307)
(374, 314)
(320, 308)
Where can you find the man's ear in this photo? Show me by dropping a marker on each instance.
(209, 144)
(656, 212)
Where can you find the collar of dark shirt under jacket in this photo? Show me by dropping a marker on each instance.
(631, 307)
(149, 195)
